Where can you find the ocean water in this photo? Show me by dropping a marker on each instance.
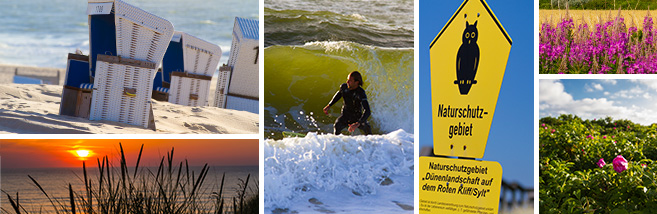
(42, 32)
(382, 23)
(339, 174)
(313, 45)
(55, 182)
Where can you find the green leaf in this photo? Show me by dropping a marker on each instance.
(619, 211)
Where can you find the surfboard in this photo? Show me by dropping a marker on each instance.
(293, 134)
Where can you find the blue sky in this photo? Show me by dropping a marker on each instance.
(511, 140)
(635, 100)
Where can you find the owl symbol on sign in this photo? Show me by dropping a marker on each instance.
(467, 58)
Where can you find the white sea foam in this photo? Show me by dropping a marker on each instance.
(342, 173)
(330, 46)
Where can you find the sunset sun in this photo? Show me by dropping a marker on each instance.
(83, 153)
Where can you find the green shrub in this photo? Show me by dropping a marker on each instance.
(570, 180)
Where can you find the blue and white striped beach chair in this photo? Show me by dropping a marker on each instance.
(237, 86)
(126, 45)
(188, 66)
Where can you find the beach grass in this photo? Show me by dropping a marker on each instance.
(173, 188)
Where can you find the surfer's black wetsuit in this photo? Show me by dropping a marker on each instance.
(354, 102)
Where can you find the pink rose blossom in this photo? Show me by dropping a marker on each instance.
(620, 164)
(601, 163)
(553, 130)
(604, 137)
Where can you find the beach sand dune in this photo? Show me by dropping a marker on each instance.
(34, 109)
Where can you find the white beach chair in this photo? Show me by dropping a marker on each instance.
(126, 44)
(190, 63)
(237, 87)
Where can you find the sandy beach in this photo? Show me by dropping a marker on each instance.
(34, 109)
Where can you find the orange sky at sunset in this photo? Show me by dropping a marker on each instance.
(51, 153)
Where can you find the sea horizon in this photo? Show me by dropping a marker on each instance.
(55, 181)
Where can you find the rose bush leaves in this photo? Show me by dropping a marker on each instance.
(570, 178)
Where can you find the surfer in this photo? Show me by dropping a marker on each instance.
(355, 101)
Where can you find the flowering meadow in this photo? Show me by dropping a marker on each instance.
(603, 47)
(597, 166)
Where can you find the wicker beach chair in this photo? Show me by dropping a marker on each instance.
(126, 45)
(76, 95)
(237, 86)
(188, 66)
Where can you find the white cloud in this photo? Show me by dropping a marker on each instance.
(609, 81)
(606, 93)
(554, 100)
(635, 92)
(552, 91)
(650, 83)
(593, 87)
(597, 87)
(588, 89)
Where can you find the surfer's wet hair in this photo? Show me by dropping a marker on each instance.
(357, 77)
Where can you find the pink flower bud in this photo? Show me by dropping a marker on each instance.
(553, 130)
(604, 137)
(643, 165)
(620, 164)
(601, 163)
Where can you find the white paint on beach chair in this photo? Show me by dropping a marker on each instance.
(201, 57)
(222, 87)
(101, 8)
(141, 35)
(109, 100)
(183, 89)
(242, 104)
